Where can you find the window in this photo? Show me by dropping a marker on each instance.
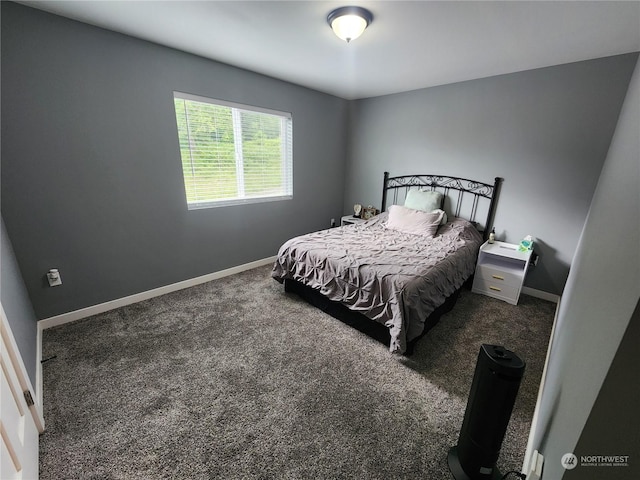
(233, 154)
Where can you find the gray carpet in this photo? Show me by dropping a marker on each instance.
(237, 379)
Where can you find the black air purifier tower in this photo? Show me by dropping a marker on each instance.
(491, 399)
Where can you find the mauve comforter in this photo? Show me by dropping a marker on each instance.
(395, 278)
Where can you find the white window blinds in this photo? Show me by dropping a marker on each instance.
(233, 153)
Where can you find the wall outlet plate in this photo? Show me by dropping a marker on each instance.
(54, 278)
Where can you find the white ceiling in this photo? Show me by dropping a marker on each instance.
(409, 45)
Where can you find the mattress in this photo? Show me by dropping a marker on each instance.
(394, 278)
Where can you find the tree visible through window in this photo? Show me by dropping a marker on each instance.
(233, 153)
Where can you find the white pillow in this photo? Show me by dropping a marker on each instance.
(425, 200)
(413, 221)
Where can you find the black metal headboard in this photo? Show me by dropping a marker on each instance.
(463, 188)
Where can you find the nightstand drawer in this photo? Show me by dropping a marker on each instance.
(496, 289)
(498, 276)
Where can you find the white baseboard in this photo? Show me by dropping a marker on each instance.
(138, 297)
(551, 297)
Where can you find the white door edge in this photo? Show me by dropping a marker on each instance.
(528, 454)
(39, 377)
(21, 371)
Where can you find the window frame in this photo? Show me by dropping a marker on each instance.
(286, 131)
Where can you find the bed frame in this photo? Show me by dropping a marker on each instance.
(465, 196)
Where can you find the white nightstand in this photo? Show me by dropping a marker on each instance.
(350, 219)
(500, 271)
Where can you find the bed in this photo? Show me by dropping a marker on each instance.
(401, 269)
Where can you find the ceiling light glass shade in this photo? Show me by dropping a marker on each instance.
(348, 23)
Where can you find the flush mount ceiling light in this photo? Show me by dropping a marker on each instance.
(348, 23)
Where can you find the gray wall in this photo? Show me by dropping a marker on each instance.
(16, 305)
(91, 173)
(613, 423)
(601, 294)
(545, 131)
